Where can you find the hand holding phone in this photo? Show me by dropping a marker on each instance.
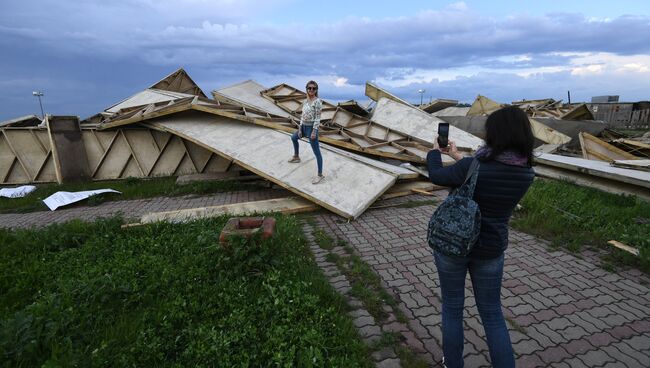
(443, 135)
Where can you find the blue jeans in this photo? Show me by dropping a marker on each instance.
(486, 276)
(306, 132)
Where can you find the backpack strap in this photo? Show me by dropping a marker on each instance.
(472, 168)
(467, 188)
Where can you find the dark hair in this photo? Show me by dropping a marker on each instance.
(312, 83)
(508, 129)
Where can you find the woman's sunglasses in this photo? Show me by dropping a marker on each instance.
(312, 89)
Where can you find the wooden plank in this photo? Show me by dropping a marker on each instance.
(353, 107)
(179, 81)
(483, 106)
(408, 187)
(346, 123)
(146, 97)
(221, 176)
(376, 93)
(438, 104)
(451, 111)
(580, 112)
(546, 148)
(248, 93)
(417, 123)
(422, 191)
(596, 168)
(590, 181)
(547, 134)
(633, 164)
(349, 186)
(624, 247)
(19, 160)
(597, 149)
(71, 162)
(325, 138)
(25, 156)
(288, 205)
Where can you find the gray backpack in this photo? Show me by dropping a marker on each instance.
(455, 226)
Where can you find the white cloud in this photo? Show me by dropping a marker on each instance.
(340, 82)
(460, 6)
(452, 48)
(588, 70)
(634, 68)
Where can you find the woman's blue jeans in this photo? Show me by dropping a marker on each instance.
(306, 132)
(486, 276)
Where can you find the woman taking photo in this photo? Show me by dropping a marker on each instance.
(309, 123)
(504, 175)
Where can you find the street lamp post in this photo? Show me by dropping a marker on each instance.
(421, 92)
(39, 94)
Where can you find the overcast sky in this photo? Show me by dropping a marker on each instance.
(87, 55)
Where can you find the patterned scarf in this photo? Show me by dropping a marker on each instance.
(511, 158)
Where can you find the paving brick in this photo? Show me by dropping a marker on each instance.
(522, 309)
(525, 320)
(596, 358)
(640, 326)
(576, 363)
(561, 365)
(545, 315)
(530, 361)
(601, 339)
(383, 354)
(516, 336)
(363, 321)
(544, 335)
(512, 301)
(413, 342)
(579, 346)
(642, 357)
(358, 313)
(476, 360)
(559, 323)
(587, 323)
(434, 319)
(621, 358)
(553, 354)
(424, 311)
(389, 363)
(639, 342)
(622, 332)
(525, 347)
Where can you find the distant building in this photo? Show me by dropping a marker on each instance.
(604, 99)
(620, 114)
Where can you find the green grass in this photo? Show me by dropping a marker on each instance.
(131, 188)
(323, 240)
(93, 294)
(366, 285)
(572, 216)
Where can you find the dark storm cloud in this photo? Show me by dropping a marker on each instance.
(90, 54)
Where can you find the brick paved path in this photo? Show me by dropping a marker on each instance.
(134, 209)
(563, 310)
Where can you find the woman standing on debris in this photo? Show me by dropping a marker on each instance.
(504, 175)
(309, 124)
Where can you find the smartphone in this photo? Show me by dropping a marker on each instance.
(443, 135)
